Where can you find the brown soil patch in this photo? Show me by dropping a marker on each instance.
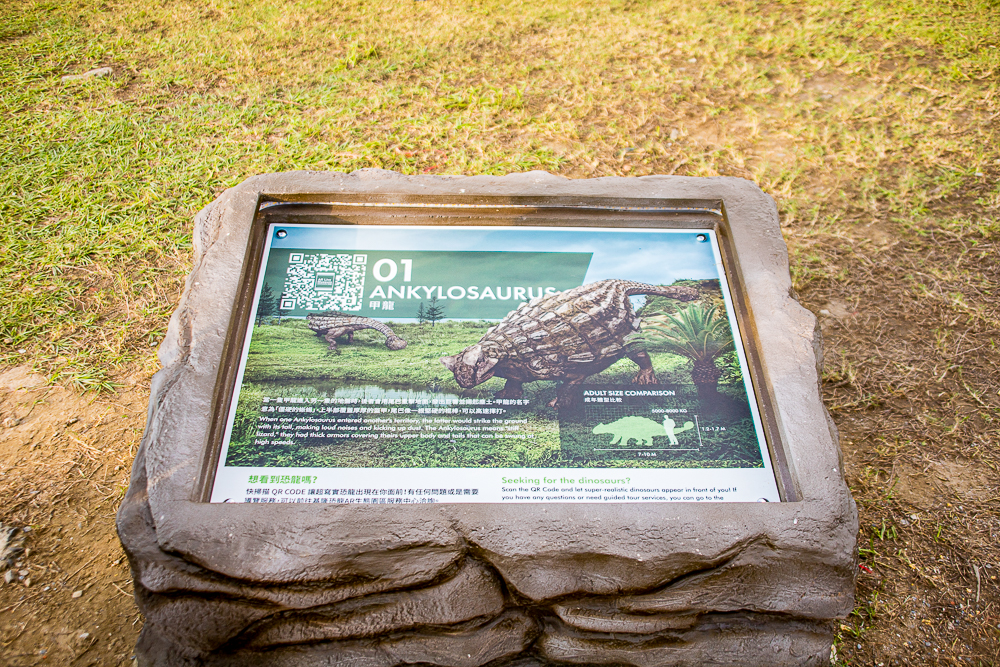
(910, 316)
(924, 487)
(64, 463)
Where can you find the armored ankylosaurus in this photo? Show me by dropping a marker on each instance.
(332, 324)
(567, 336)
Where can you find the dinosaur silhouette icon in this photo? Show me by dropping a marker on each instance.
(642, 430)
(670, 426)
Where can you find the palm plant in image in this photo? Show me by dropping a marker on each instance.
(702, 335)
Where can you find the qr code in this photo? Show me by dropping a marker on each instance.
(321, 281)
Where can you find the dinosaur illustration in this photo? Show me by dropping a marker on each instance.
(331, 324)
(642, 430)
(566, 336)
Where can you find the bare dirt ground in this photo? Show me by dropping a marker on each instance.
(64, 463)
(912, 378)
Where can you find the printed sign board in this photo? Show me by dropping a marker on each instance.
(427, 364)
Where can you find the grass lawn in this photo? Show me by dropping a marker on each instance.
(875, 125)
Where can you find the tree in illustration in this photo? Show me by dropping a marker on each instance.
(280, 299)
(267, 306)
(421, 314)
(700, 334)
(434, 311)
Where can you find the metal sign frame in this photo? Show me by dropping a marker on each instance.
(485, 211)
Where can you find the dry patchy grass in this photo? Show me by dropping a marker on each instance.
(873, 124)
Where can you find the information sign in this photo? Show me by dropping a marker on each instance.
(428, 364)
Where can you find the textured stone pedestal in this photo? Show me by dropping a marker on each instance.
(467, 584)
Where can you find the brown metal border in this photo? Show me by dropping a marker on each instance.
(758, 375)
(529, 211)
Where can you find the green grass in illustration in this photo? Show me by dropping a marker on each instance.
(290, 360)
(290, 352)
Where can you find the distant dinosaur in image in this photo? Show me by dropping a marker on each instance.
(332, 325)
(642, 430)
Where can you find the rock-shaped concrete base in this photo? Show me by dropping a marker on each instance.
(713, 639)
(465, 584)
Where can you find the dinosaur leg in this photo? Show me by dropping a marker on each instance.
(350, 336)
(331, 338)
(566, 394)
(646, 375)
(511, 390)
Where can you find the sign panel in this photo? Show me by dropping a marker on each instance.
(405, 364)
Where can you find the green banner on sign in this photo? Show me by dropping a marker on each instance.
(400, 285)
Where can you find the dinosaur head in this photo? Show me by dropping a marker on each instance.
(395, 343)
(472, 366)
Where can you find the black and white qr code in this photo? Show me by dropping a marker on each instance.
(323, 281)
